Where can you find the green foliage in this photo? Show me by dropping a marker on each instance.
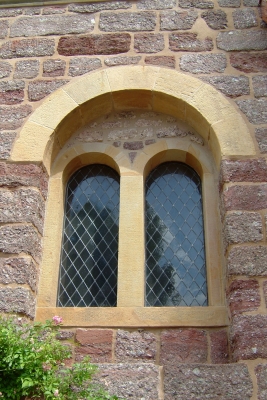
(32, 365)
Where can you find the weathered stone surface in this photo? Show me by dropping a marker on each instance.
(149, 142)
(97, 343)
(133, 145)
(208, 382)
(135, 346)
(219, 347)
(203, 63)
(249, 337)
(261, 374)
(10, 12)
(37, 90)
(265, 291)
(22, 205)
(183, 345)
(165, 61)
(51, 25)
(245, 197)
(16, 239)
(132, 156)
(255, 110)
(215, 19)
(240, 227)
(14, 175)
(126, 21)
(64, 335)
(172, 20)
(204, 4)
(3, 28)
(243, 296)
(54, 67)
(148, 42)
(156, 4)
(82, 65)
(5, 69)
(18, 300)
(242, 40)
(27, 48)
(248, 260)
(110, 62)
(250, 3)
(32, 11)
(26, 69)
(54, 10)
(244, 170)
(94, 44)
(245, 18)
(231, 86)
(130, 381)
(11, 92)
(229, 3)
(95, 7)
(6, 142)
(260, 85)
(189, 42)
(261, 136)
(12, 117)
(20, 270)
(249, 62)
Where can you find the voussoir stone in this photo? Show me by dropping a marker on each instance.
(215, 19)
(203, 63)
(11, 117)
(245, 18)
(38, 47)
(95, 7)
(51, 25)
(172, 20)
(243, 296)
(148, 42)
(135, 346)
(255, 110)
(187, 41)
(248, 260)
(231, 86)
(127, 21)
(18, 300)
(242, 40)
(249, 62)
(19, 270)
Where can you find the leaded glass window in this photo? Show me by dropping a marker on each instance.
(89, 257)
(175, 251)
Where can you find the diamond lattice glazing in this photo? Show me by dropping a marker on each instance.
(89, 258)
(175, 252)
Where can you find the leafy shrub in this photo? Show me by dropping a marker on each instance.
(32, 364)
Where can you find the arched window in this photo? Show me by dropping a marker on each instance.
(89, 256)
(175, 250)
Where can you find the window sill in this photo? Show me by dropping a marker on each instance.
(160, 317)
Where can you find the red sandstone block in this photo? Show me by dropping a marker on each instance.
(11, 117)
(165, 61)
(243, 296)
(245, 197)
(248, 260)
(240, 227)
(189, 42)
(38, 89)
(27, 48)
(135, 346)
(97, 343)
(261, 374)
(219, 347)
(249, 62)
(244, 170)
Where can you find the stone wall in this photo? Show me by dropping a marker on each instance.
(223, 43)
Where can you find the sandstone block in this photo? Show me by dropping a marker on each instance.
(203, 63)
(243, 296)
(261, 136)
(229, 3)
(18, 300)
(215, 19)
(249, 337)
(135, 346)
(82, 65)
(255, 110)
(5, 69)
(94, 44)
(242, 40)
(261, 374)
(27, 48)
(12, 117)
(95, 7)
(6, 142)
(189, 42)
(112, 61)
(219, 347)
(250, 3)
(3, 28)
(183, 346)
(37, 90)
(165, 61)
(54, 10)
(10, 12)
(156, 4)
(97, 343)
(51, 25)
(265, 291)
(240, 227)
(245, 197)
(203, 4)
(26, 69)
(32, 11)
(208, 382)
(148, 42)
(133, 145)
(245, 18)
(244, 170)
(20, 270)
(11, 92)
(248, 260)
(172, 20)
(126, 21)
(231, 86)
(249, 62)
(64, 335)
(260, 85)
(54, 68)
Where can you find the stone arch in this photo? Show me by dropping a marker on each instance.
(133, 87)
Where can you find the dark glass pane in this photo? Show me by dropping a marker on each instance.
(175, 251)
(89, 258)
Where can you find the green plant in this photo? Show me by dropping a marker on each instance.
(32, 364)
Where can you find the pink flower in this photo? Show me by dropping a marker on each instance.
(57, 320)
(56, 393)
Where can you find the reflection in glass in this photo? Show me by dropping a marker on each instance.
(89, 258)
(175, 252)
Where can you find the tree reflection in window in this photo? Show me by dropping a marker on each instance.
(175, 252)
(89, 258)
